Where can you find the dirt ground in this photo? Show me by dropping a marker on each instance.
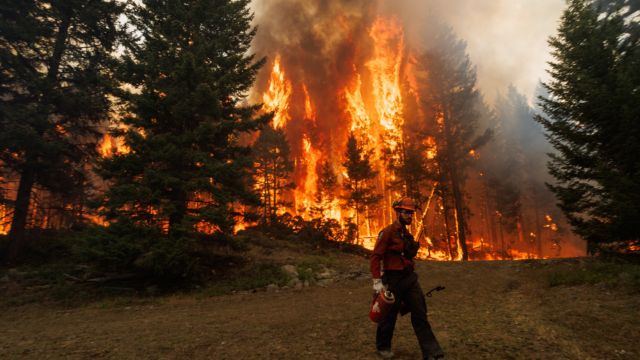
(489, 310)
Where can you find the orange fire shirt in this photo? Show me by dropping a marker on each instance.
(387, 250)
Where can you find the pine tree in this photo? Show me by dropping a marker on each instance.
(272, 168)
(450, 90)
(188, 70)
(55, 74)
(592, 121)
(360, 193)
(327, 184)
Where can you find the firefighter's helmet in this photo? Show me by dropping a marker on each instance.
(405, 203)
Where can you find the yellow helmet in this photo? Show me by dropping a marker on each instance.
(405, 203)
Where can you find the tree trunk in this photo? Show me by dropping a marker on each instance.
(179, 200)
(27, 178)
(447, 224)
(450, 167)
(538, 226)
(458, 203)
(20, 212)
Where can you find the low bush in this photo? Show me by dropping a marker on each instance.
(124, 247)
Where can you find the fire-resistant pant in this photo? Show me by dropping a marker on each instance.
(404, 285)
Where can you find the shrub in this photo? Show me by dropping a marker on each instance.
(125, 247)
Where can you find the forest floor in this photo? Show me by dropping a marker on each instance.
(489, 310)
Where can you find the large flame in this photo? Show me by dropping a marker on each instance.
(385, 68)
(278, 95)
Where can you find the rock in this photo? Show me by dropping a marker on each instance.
(4, 279)
(306, 283)
(290, 270)
(325, 274)
(294, 283)
(272, 287)
(325, 282)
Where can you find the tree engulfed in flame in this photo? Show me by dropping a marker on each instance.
(278, 95)
(385, 68)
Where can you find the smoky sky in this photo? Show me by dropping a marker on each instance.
(506, 39)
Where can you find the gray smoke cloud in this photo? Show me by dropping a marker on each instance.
(507, 39)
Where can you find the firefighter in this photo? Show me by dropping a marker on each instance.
(392, 268)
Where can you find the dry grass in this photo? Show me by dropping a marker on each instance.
(489, 310)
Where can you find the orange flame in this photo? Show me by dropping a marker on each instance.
(278, 95)
(385, 68)
(309, 111)
(305, 196)
(5, 220)
(110, 146)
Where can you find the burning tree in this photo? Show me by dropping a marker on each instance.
(449, 88)
(55, 76)
(327, 185)
(360, 195)
(272, 168)
(187, 67)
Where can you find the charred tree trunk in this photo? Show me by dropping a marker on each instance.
(447, 225)
(458, 203)
(455, 186)
(504, 250)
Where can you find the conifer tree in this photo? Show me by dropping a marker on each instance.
(272, 168)
(592, 118)
(327, 183)
(360, 193)
(188, 71)
(450, 90)
(55, 75)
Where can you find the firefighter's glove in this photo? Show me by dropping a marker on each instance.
(378, 285)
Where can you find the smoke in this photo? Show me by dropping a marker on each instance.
(506, 39)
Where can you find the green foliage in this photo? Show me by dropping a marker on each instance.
(253, 277)
(612, 274)
(592, 121)
(311, 265)
(187, 70)
(318, 231)
(125, 247)
(55, 75)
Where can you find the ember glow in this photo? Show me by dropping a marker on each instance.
(5, 218)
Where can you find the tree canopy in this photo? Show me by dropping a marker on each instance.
(592, 119)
